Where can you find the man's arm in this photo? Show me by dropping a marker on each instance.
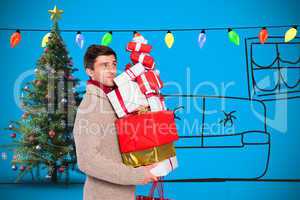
(93, 163)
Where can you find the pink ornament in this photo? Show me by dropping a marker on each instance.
(22, 168)
(61, 169)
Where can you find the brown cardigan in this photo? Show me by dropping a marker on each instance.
(97, 151)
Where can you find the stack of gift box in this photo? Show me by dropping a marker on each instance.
(146, 129)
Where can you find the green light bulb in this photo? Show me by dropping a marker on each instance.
(233, 37)
(106, 39)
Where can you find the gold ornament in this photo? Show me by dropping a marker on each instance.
(38, 82)
(25, 115)
(31, 138)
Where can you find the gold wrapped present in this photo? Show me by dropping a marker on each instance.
(149, 156)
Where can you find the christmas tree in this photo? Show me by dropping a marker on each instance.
(42, 138)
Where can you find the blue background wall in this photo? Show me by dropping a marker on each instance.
(219, 62)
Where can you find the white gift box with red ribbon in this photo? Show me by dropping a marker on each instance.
(127, 98)
(139, 39)
(149, 81)
(138, 47)
(155, 101)
(164, 167)
(130, 74)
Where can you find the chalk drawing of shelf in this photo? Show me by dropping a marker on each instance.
(273, 68)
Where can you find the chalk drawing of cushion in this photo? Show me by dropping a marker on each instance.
(290, 78)
(266, 80)
(289, 62)
(220, 137)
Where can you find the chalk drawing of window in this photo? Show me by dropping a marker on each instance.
(273, 68)
(220, 137)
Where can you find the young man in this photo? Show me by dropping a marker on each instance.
(97, 148)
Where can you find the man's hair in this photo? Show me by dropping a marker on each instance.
(93, 52)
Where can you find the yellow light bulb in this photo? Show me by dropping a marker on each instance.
(45, 40)
(290, 34)
(169, 39)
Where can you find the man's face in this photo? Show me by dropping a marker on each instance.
(105, 69)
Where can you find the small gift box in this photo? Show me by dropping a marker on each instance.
(147, 130)
(143, 58)
(155, 101)
(138, 47)
(130, 74)
(150, 156)
(149, 81)
(139, 38)
(164, 156)
(127, 98)
(164, 167)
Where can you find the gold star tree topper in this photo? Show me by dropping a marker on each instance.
(55, 13)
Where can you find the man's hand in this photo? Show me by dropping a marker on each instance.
(148, 175)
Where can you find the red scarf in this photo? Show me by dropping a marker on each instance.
(105, 88)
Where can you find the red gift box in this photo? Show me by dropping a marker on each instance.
(138, 47)
(143, 58)
(149, 81)
(143, 131)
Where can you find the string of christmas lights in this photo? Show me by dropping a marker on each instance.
(107, 38)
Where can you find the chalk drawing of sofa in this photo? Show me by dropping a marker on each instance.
(220, 137)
